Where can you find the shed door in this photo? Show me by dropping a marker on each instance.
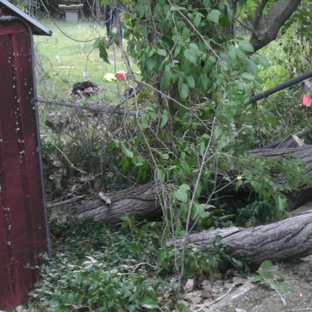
(23, 230)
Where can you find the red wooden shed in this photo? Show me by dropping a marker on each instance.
(23, 222)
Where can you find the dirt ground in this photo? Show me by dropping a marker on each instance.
(290, 290)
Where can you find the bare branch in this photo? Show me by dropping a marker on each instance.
(258, 15)
(108, 110)
(65, 202)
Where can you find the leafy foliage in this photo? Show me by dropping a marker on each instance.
(101, 269)
(196, 122)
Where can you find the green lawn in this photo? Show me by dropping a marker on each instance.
(63, 58)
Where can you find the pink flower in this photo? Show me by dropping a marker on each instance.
(306, 100)
(121, 75)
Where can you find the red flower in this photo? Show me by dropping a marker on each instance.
(121, 75)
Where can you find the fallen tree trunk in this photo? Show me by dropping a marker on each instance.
(284, 240)
(295, 198)
(139, 202)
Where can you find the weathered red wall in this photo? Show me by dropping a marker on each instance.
(23, 232)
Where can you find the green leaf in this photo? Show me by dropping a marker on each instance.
(199, 209)
(183, 308)
(238, 184)
(166, 78)
(214, 16)
(151, 63)
(212, 59)
(181, 194)
(134, 247)
(263, 61)
(185, 34)
(102, 45)
(265, 270)
(281, 203)
(162, 52)
(164, 119)
(152, 52)
(246, 46)
(255, 279)
(191, 56)
(183, 91)
(232, 52)
(126, 152)
(251, 67)
(161, 175)
(162, 254)
(190, 81)
(248, 76)
(165, 156)
(149, 303)
(257, 85)
(197, 19)
(204, 81)
(186, 168)
(194, 47)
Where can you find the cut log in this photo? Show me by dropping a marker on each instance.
(284, 240)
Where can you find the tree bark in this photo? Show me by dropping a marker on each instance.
(284, 240)
(260, 39)
(139, 202)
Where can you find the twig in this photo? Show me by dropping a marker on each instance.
(65, 202)
(155, 267)
(245, 26)
(218, 299)
(276, 290)
(70, 163)
(184, 243)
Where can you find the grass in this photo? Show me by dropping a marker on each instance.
(63, 58)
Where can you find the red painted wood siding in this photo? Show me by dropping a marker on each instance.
(23, 231)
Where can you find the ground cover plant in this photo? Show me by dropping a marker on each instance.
(102, 269)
